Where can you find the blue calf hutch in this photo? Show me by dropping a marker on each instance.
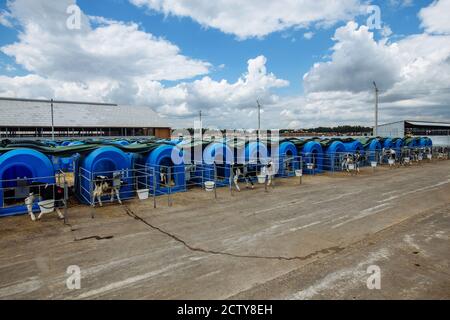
(353, 147)
(373, 150)
(159, 161)
(312, 153)
(333, 153)
(253, 153)
(288, 159)
(222, 156)
(104, 161)
(18, 169)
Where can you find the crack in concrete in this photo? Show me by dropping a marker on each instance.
(94, 237)
(133, 215)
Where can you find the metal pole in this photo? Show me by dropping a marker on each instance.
(375, 128)
(154, 187)
(231, 179)
(169, 198)
(66, 197)
(215, 181)
(259, 116)
(53, 123)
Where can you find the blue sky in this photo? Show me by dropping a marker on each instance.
(288, 55)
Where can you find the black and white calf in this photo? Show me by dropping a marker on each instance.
(352, 161)
(104, 185)
(347, 161)
(44, 192)
(391, 156)
(164, 178)
(240, 170)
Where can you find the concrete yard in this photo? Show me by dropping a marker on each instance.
(309, 241)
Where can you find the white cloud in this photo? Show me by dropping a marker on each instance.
(113, 50)
(357, 60)
(435, 18)
(5, 19)
(308, 35)
(225, 104)
(117, 62)
(413, 73)
(113, 61)
(257, 18)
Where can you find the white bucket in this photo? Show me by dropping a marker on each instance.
(310, 166)
(299, 173)
(142, 194)
(391, 162)
(429, 156)
(47, 206)
(262, 179)
(407, 160)
(373, 164)
(351, 166)
(209, 186)
(420, 158)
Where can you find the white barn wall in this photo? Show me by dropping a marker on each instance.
(396, 129)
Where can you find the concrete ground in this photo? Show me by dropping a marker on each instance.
(309, 241)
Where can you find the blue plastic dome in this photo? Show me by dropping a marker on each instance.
(373, 150)
(26, 164)
(103, 161)
(425, 142)
(122, 142)
(333, 154)
(352, 147)
(288, 160)
(253, 153)
(398, 145)
(312, 153)
(222, 155)
(162, 158)
(388, 143)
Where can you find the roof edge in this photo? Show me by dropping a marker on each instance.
(57, 101)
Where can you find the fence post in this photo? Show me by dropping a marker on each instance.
(169, 195)
(66, 197)
(215, 180)
(91, 177)
(231, 179)
(154, 187)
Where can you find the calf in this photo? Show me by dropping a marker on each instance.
(390, 155)
(241, 170)
(44, 192)
(164, 178)
(103, 185)
(347, 161)
(268, 171)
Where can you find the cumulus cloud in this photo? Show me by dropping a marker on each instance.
(257, 18)
(114, 50)
(435, 17)
(112, 61)
(357, 60)
(230, 104)
(5, 19)
(413, 74)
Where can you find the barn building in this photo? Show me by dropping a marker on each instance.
(439, 132)
(32, 118)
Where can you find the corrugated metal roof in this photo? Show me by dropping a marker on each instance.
(37, 113)
(429, 124)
